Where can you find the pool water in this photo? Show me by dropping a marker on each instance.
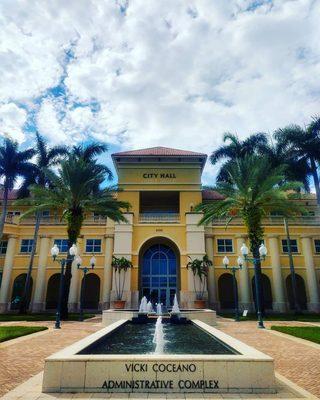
(133, 338)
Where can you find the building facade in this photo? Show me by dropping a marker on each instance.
(160, 236)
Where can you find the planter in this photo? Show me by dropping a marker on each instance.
(119, 304)
(200, 304)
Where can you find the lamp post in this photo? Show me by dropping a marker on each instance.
(256, 260)
(83, 286)
(226, 263)
(73, 251)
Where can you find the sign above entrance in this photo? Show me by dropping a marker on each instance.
(161, 175)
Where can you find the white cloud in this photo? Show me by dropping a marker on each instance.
(12, 120)
(160, 73)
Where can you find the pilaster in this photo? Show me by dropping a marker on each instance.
(7, 272)
(39, 300)
(279, 303)
(245, 301)
(312, 284)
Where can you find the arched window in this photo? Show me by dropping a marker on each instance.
(18, 289)
(53, 292)
(266, 294)
(301, 292)
(225, 289)
(91, 293)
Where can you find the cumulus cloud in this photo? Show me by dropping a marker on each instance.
(12, 120)
(138, 74)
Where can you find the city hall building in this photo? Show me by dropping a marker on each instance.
(161, 235)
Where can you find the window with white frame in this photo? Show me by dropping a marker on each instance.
(225, 245)
(26, 245)
(62, 245)
(317, 245)
(3, 246)
(293, 245)
(93, 246)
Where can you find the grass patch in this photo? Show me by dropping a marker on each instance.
(311, 333)
(277, 317)
(12, 332)
(39, 317)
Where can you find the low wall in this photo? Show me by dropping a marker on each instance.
(110, 316)
(250, 371)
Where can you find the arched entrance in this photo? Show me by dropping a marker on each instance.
(301, 292)
(266, 294)
(53, 292)
(18, 289)
(225, 289)
(159, 271)
(91, 293)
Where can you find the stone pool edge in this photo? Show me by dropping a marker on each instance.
(248, 372)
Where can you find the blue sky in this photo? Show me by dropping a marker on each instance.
(137, 74)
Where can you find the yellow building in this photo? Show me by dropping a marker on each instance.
(160, 236)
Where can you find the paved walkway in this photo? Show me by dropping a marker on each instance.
(296, 361)
(23, 359)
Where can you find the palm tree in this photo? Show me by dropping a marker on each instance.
(13, 164)
(236, 148)
(303, 145)
(76, 190)
(253, 190)
(46, 158)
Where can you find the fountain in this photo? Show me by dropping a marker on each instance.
(143, 305)
(158, 337)
(159, 308)
(175, 307)
(149, 307)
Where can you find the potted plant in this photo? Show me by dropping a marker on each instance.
(199, 268)
(120, 266)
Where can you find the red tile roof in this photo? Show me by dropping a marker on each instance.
(159, 151)
(211, 195)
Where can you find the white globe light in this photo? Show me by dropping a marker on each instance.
(55, 250)
(93, 261)
(263, 250)
(73, 251)
(225, 261)
(240, 261)
(244, 250)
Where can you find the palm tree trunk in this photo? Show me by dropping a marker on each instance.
(315, 178)
(4, 209)
(25, 297)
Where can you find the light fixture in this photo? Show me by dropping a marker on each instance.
(244, 250)
(55, 251)
(240, 261)
(263, 250)
(226, 261)
(78, 261)
(93, 261)
(73, 251)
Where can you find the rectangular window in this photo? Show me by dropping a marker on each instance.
(317, 245)
(62, 245)
(93, 246)
(45, 214)
(3, 246)
(225, 246)
(26, 245)
(294, 246)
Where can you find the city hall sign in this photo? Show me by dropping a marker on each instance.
(162, 175)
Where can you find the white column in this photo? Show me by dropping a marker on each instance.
(123, 248)
(245, 302)
(39, 300)
(279, 303)
(312, 283)
(7, 271)
(195, 249)
(74, 293)
(212, 290)
(107, 272)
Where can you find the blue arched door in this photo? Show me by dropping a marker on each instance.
(159, 274)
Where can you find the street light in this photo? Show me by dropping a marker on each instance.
(226, 263)
(73, 251)
(257, 277)
(83, 286)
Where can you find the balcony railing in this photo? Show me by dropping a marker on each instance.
(305, 220)
(56, 220)
(159, 218)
